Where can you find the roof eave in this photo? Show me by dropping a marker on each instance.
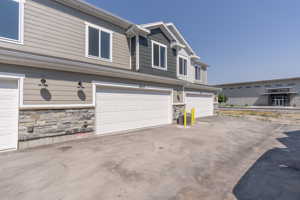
(97, 12)
(45, 62)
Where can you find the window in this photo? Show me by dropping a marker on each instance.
(182, 65)
(11, 20)
(159, 56)
(99, 43)
(197, 73)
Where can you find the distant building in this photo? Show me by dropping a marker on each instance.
(276, 92)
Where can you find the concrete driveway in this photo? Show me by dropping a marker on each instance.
(219, 158)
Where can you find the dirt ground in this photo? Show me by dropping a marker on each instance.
(220, 158)
(276, 117)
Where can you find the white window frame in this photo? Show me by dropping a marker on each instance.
(21, 25)
(87, 25)
(166, 55)
(178, 65)
(200, 71)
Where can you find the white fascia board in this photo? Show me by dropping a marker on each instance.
(130, 86)
(181, 37)
(164, 28)
(137, 30)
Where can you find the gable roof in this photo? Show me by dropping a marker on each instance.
(164, 28)
(180, 37)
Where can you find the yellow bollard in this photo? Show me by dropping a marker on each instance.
(193, 116)
(184, 119)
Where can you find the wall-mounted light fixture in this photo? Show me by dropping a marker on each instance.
(80, 85)
(43, 83)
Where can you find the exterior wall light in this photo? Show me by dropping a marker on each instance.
(43, 82)
(80, 85)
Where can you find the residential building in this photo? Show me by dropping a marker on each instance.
(67, 67)
(276, 92)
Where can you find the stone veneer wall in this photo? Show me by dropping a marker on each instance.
(177, 109)
(37, 124)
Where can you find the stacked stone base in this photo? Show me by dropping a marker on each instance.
(177, 109)
(40, 124)
(44, 127)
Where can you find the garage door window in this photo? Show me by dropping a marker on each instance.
(11, 20)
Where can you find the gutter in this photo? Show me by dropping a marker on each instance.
(45, 62)
(96, 12)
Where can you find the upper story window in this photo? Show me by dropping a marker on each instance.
(197, 73)
(98, 42)
(11, 20)
(182, 64)
(159, 56)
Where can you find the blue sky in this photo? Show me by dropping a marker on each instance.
(242, 40)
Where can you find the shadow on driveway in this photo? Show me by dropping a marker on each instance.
(275, 175)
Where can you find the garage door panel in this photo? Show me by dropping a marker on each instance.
(123, 126)
(8, 114)
(125, 109)
(131, 116)
(202, 103)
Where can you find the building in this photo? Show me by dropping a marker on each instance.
(68, 68)
(277, 92)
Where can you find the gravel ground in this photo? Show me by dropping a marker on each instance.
(219, 158)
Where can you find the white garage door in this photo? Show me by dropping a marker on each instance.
(202, 103)
(126, 109)
(8, 114)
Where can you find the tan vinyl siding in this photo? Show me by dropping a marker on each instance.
(61, 91)
(63, 86)
(55, 30)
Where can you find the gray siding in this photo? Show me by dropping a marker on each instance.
(133, 53)
(53, 29)
(146, 55)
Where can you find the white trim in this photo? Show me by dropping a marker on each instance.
(166, 56)
(200, 93)
(20, 80)
(137, 52)
(100, 29)
(56, 106)
(181, 37)
(21, 26)
(130, 86)
(165, 29)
